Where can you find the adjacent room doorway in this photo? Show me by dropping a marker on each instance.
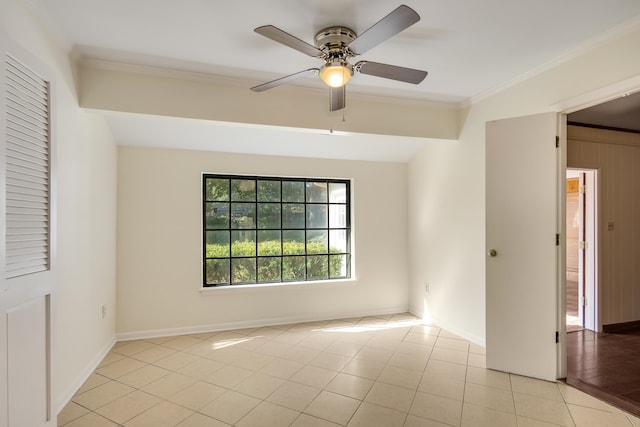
(581, 220)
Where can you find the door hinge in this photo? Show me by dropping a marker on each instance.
(583, 189)
(584, 301)
(557, 337)
(557, 141)
(583, 245)
(557, 240)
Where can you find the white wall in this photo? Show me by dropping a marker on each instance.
(160, 235)
(86, 182)
(447, 189)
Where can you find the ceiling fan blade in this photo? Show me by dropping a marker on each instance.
(400, 19)
(285, 79)
(337, 98)
(402, 74)
(276, 34)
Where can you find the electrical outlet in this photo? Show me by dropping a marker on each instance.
(104, 311)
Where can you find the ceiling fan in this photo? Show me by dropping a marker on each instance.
(336, 45)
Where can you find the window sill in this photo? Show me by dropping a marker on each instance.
(275, 287)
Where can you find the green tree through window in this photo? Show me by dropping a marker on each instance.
(270, 230)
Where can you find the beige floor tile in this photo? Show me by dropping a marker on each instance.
(289, 337)
(268, 415)
(201, 348)
(331, 361)
(305, 420)
(375, 354)
(165, 414)
(314, 376)
(101, 395)
(200, 420)
(282, 368)
(534, 387)
(153, 354)
(577, 397)
(369, 415)
(413, 348)
(259, 385)
(411, 362)
(133, 347)
(201, 368)
(442, 386)
(228, 376)
(452, 344)
(400, 377)
(426, 329)
(175, 361)
(143, 376)
(382, 342)
(477, 360)
(159, 340)
(489, 397)
(437, 408)
(538, 408)
(168, 385)
(181, 342)
(333, 407)
(530, 422)
(230, 407)
(418, 338)
(635, 421)
(350, 385)
(364, 368)
(390, 396)
(294, 395)
(488, 378)
(301, 354)
(93, 381)
(197, 395)
(444, 369)
(119, 368)
(447, 334)
(447, 355)
(111, 357)
(477, 349)
(413, 421)
(70, 412)
(478, 416)
(343, 348)
(589, 417)
(91, 420)
(253, 361)
(127, 407)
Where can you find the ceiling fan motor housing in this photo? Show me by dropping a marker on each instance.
(333, 41)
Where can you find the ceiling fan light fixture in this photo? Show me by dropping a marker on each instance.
(335, 74)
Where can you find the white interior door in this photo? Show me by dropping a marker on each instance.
(590, 258)
(26, 240)
(522, 185)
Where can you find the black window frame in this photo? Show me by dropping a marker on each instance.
(314, 262)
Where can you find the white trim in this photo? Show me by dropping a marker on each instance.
(598, 96)
(280, 286)
(229, 326)
(460, 332)
(65, 398)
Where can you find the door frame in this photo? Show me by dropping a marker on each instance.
(564, 107)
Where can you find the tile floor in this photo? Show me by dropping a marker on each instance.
(371, 371)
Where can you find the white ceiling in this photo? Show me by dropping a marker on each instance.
(470, 48)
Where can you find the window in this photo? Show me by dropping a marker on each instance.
(271, 230)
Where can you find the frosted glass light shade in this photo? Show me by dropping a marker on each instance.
(335, 75)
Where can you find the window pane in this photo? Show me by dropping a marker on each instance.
(337, 216)
(269, 269)
(337, 192)
(338, 266)
(217, 271)
(316, 192)
(317, 216)
(292, 215)
(293, 242)
(243, 270)
(268, 215)
(243, 190)
(217, 189)
(293, 268)
(317, 267)
(243, 215)
(217, 215)
(268, 191)
(269, 243)
(217, 244)
(317, 242)
(292, 191)
(243, 243)
(338, 241)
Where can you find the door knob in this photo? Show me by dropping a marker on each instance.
(492, 252)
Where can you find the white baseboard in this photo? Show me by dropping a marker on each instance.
(254, 323)
(86, 373)
(481, 341)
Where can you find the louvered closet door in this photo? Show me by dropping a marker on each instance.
(27, 233)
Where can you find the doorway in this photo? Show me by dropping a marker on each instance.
(581, 261)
